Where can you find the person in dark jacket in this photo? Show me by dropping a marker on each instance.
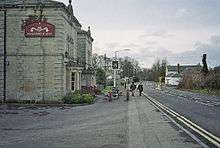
(140, 88)
(132, 88)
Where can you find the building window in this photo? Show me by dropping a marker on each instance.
(80, 77)
(73, 81)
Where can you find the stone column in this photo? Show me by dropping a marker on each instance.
(77, 80)
(80, 80)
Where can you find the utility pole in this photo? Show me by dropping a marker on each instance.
(105, 66)
(105, 58)
(5, 56)
(115, 70)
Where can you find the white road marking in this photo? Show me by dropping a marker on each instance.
(209, 136)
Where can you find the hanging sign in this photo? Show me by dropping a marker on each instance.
(39, 29)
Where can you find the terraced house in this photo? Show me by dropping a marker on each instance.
(38, 50)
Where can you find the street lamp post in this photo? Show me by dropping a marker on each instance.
(115, 70)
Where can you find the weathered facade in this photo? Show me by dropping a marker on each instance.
(84, 46)
(40, 65)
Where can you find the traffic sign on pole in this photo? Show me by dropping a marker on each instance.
(114, 64)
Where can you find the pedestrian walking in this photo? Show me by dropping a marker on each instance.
(125, 85)
(127, 94)
(132, 88)
(140, 88)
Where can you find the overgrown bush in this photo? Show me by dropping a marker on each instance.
(212, 80)
(110, 83)
(201, 81)
(187, 81)
(93, 90)
(78, 98)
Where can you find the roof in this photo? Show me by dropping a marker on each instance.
(184, 67)
(87, 33)
(217, 68)
(15, 2)
(31, 3)
(176, 75)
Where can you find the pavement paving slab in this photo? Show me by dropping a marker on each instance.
(150, 128)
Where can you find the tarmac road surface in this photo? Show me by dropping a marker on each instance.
(116, 124)
(204, 110)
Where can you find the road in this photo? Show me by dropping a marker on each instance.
(202, 109)
(116, 124)
(99, 125)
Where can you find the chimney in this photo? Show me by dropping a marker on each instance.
(70, 7)
(178, 68)
(89, 31)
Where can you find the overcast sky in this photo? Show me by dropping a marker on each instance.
(178, 30)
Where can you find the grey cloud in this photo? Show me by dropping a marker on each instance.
(148, 55)
(96, 49)
(158, 33)
(112, 45)
(154, 53)
(131, 45)
(195, 56)
(181, 12)
(151, 42)
(215, 39)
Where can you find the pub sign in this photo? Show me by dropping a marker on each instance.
(39, 29)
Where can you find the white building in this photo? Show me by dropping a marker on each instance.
(174, 73)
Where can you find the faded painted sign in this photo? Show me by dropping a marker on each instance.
(39, 29)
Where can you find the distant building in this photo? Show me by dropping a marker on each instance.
(41, 45)
(106, 63)
(174, 73)
(217, 68)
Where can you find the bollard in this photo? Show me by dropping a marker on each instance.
(110, 97)
(127, 95)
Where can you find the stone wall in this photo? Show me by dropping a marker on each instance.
(89, 51)
(36, 69)
(81, 48)
(84, 48)
(1, 53)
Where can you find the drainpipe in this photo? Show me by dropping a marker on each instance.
(178, 68)
(5, 56)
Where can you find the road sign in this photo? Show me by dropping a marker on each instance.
(115, 64)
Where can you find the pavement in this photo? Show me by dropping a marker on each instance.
(117, 124)
(202, 109)
(150, 128)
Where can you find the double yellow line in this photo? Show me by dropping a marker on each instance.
(202, 132)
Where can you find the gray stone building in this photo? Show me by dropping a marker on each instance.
(84, 52)
(41, 45)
